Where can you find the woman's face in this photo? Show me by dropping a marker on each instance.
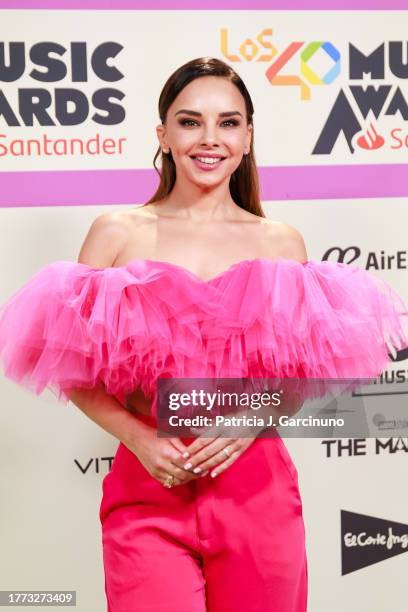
(196, 129)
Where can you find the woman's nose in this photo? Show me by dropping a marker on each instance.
(209, 135)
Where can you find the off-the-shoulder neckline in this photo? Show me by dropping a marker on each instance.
(232, 268)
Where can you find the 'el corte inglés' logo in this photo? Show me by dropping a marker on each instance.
(366, 540)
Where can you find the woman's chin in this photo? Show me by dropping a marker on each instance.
(207, 179)
(211, 184)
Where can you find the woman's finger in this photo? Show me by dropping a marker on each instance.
(179, 476)
(210, 455)
(217, 459)
(165, 477)
(175, 461)
(225, 464)
(208, 436)
(240, 448)
(178, 444)
(172, 464)
(182, 474)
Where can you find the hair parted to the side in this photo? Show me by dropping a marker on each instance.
(244, 184)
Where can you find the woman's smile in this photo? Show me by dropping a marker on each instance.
(207, 163)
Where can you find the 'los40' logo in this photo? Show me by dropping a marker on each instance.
(262, 50)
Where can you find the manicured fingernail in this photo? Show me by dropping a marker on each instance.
(188, 466)
(213, 474)
(185, 455)
(197, 470)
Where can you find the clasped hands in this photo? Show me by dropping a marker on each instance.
(214, 453)
(211, 451)
(172, 462)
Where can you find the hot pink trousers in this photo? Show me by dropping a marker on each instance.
(233, 543)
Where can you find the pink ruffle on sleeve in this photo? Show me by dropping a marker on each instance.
(74, 326)
(324, 321)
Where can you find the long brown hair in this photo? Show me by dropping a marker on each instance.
(244, 184)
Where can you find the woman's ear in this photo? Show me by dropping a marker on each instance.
(249, 137)
(161, 135)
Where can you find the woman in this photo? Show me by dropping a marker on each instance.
(196, 283)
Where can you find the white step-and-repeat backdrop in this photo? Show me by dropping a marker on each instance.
(79, 85)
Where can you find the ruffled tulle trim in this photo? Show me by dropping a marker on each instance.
(73, 326)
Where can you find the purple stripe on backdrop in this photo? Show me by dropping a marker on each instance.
(117, 187)
(222, 5)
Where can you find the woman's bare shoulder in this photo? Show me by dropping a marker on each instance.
(140, 215)
(287, 239)
(111, 232)
(119, 222)
(105, 238)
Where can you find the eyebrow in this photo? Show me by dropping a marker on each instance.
(197, 114)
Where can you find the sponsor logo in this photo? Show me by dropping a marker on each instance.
(366, 540)
(360, 113)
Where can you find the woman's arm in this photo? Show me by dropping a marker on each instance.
(106, 238)
(107, 412)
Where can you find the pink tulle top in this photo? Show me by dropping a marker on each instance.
(72, 325)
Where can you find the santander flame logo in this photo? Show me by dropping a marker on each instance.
(369, 138)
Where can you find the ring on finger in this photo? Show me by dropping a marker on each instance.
(169, 482)
(226, 451)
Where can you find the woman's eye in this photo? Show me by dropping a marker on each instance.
(186, 121)
(232, 122)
